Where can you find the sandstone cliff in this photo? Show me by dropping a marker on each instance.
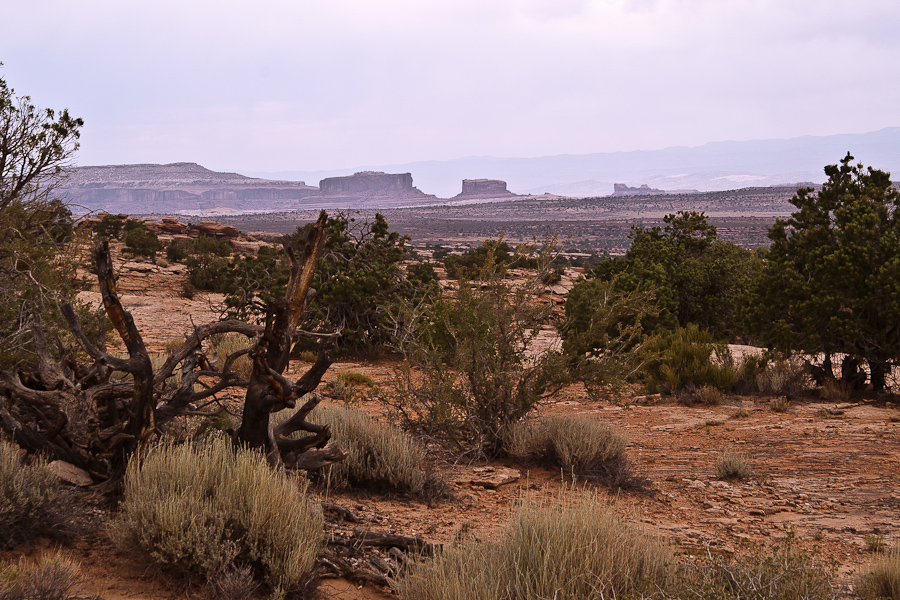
(483, 188)
(369, 189)
(176, 187)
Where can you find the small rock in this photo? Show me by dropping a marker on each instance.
(494, 477)
(70, 473)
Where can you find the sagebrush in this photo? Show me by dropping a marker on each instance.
(32, 501)
(211, 508)
(582, 447)
(379, 456)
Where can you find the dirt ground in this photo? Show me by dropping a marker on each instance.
(827, 473)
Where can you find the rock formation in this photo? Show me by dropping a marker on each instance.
(176, 187)
(620, 189)
(483, 188)
(368, 189)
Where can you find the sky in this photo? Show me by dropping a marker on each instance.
(269, 86)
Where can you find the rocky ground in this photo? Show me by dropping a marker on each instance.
(826, 473)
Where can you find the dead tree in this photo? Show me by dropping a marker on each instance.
(72, 410)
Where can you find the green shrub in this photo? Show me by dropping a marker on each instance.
(354, 378)
(689, 357)
(213, 508)
(883, 581)
(139, 240)
(564, 549)
(109, 227)
(32, 501)
(379, 456)
(732, 465)
(210, 245)
(583, 447)
(472, 369)
(52, 577)
(210, 273)
(350, 387)
(178, 250)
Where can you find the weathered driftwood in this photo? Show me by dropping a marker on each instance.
(71, 411)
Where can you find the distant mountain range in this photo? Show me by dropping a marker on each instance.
(189, 188)
(712, 167)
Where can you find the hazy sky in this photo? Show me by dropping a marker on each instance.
(303, 85)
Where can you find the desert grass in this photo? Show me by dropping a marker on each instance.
(54, 576)
(784, 572)
(381, 456)
(733, 465)
(882, 582)
(783, 377)
(780, 405)
(211, 509)
(582, 447)
(224, 345)
(32, 501)
(566, 548)
(835, 391)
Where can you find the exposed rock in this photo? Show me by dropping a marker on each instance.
(149, 188)
(620, 189)
(70, 473)
(368, 182)
(214, 229)
(483, 188)
(493, 477)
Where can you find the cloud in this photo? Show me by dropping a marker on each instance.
(305, 85)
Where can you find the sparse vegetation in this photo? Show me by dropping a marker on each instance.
(875, 542)
(882, 582)
(381, 457)
(688, 357)
(476, 370)
(733, 465)
(53, 577)
(785, 572)
(833, 390)
(785, 377)
(212, 508)
(567, 548)
(32, 501)
(585, 448)
(223, 346)
(780, 404)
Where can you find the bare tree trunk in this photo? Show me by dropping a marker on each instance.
(269, 391)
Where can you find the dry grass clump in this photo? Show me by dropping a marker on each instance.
(584, 447)
(224, 345)
(350, 387)
(780, 405)
(785, 572)
(53, 577)
(742, 413)
(565, 548)
(212, 508)
(733, 465)
(883, 581)
(380, 456)
(32, 501)
(835, 391)
(783, 377)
